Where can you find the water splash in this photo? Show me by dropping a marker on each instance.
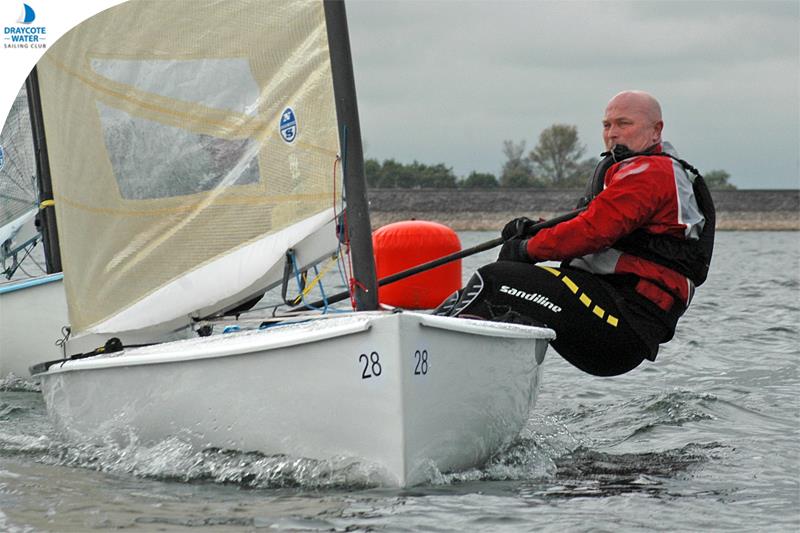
(13, 383)
(174, 459)
(531, 456)
(553, 447)
(16, 444)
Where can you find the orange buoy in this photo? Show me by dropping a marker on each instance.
(403, 245)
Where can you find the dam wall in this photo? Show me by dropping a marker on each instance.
(490, 209)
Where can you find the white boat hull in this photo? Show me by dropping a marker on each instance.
(400, 391)
(32, 313)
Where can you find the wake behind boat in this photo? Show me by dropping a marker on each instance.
(191, 179)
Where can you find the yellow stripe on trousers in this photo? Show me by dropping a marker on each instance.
(583, 297)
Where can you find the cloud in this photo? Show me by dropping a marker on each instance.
(448, 81)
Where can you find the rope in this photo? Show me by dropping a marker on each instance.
(314, 282)
(344, 238)
(317, 280)
(17, 264)
(341, 231)
(353, 281)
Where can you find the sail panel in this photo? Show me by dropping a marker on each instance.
(181, 135)
(18, 196)
(213, 282)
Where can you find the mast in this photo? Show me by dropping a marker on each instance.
(47, 212)
(355, 185)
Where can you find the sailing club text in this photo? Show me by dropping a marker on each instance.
(28, 34)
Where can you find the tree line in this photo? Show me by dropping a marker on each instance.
(555, 162)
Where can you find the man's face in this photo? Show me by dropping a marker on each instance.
(628, 123)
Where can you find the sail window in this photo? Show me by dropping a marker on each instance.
(225, 84)
(153, 160)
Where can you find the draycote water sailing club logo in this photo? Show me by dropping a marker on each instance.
(25, 34)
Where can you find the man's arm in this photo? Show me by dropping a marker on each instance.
(626, 204)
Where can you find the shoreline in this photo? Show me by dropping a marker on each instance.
(489, 210)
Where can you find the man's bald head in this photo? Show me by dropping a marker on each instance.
(642, 101)
(632, 118)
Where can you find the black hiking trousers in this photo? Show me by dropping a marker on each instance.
(597, 330)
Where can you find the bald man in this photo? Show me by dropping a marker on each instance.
(632, 119)
(629, 262)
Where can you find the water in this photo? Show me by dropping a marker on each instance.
(705, 439)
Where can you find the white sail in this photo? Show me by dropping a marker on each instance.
(191, 143)
(18, 196)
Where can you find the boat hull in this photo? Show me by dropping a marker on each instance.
(32, 313)
(400, 391)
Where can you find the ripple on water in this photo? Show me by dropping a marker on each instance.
(788, 283)
(592, 473)
(617, 422)
(7, 412)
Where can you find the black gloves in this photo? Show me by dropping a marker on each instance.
(515, 250)
(519, 227)
(516, 234)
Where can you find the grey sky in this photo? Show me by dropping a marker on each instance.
(448, 81)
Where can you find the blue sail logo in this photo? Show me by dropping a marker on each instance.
(2, 158)
(24, 34)
(288, 125)
(28, 15)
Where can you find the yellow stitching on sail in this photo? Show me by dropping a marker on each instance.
(257, 129)
(231, 200)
